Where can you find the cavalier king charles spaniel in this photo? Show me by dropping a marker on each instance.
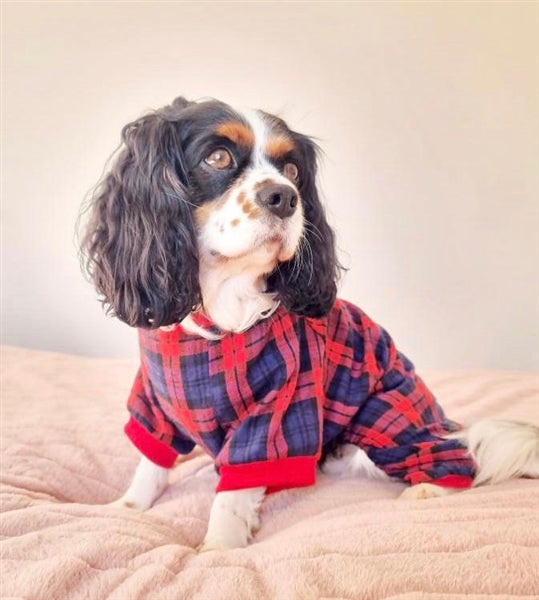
(207, 234)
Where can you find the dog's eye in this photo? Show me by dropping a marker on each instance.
(291, 171)
(219, 159)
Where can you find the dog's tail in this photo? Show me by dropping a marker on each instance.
(502, 450)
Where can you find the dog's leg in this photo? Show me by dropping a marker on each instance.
(233, 519)
(501, 450)
(149, 482)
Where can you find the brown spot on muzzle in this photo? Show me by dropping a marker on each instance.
(252, 211)
(262, 184)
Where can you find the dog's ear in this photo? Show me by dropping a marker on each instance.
(307, 284)
(139, 247)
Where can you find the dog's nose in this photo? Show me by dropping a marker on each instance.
(281, 200)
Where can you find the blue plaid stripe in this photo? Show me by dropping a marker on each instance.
(290, 385)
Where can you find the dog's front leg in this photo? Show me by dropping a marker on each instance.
(233, 519)
(149, 482)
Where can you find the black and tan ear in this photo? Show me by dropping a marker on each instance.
(307, 284)
(139, 246)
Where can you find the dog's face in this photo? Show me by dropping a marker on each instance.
(245, 170)
(202, 188)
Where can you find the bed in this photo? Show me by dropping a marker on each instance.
(64, 457)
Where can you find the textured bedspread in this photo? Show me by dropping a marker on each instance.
(64, 456)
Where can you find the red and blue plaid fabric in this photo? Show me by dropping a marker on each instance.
(264, 403)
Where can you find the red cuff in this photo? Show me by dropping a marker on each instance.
(454, 481)
(156, 451)
(275, 475)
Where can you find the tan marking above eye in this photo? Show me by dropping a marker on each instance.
(236, 132)
(219, 159)
(290, 171)
(234, 222)
(278, 146)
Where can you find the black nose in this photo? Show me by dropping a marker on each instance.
(281, 200)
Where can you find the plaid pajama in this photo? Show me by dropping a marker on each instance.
(265, 402)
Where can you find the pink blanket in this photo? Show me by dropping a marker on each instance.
(64, 457)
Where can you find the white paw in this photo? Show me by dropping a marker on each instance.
(236, 532)
(424, 491)
(235, 537)
(124, 502)
(148, 483)
(233, 519)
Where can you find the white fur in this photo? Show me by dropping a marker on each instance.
(219, 237)
(189, 325)
(233, 519)
(233, 516)
(425, 491)
(260, 130)
(502, 450)
(149, 482)
(231, 233)
(351, 460)
(238, 252)
(234, 290)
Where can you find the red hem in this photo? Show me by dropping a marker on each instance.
(156, 451)
(275, 475)
(454, 481)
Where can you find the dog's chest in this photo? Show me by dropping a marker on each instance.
(208, 385)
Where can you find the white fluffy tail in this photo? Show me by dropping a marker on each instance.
(502, 450)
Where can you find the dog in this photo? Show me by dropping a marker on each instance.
(207, 234)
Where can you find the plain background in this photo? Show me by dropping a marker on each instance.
(427, 114)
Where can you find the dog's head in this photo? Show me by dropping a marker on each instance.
(200, 193)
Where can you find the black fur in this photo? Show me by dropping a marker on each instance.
(140, 246)
(307, 284)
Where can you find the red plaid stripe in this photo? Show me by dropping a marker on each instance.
(265, 401)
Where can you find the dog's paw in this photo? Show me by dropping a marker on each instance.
(124, 502)
(424, 491)
(234, 519)
(149, 482)
(227, 538)
(237, 532)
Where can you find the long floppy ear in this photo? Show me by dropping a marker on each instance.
(139, 247)
(307, 284)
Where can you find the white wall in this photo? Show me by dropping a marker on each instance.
(427, 113)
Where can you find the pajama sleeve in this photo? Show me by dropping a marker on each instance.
(155, 436)
(400, 425)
